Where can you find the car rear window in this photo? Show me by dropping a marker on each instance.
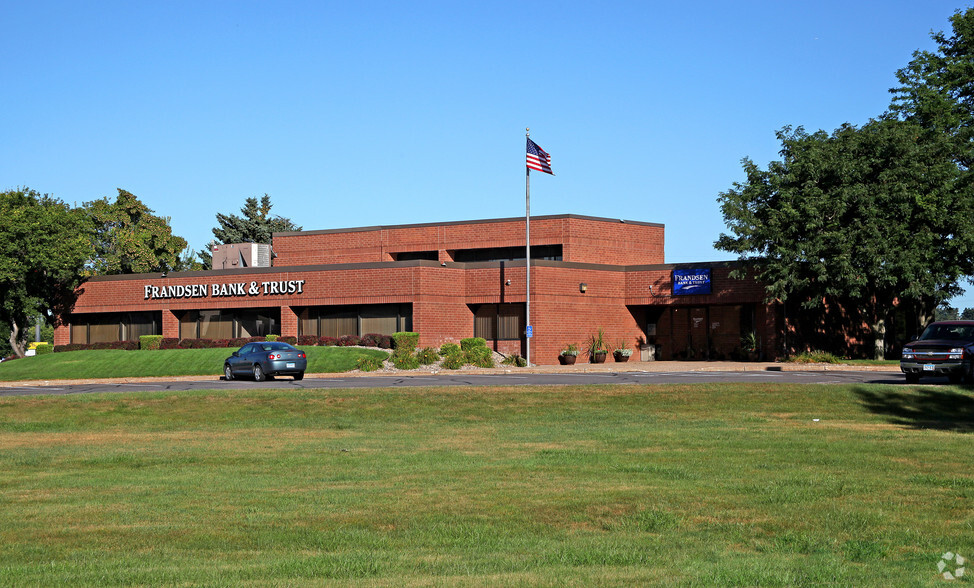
(276, 346)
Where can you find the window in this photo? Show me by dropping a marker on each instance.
(549, 252)
(229, 324)
(108, 327)
(499, 322)
(338, 321)
(411, 255)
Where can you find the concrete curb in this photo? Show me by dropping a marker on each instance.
(629, 366)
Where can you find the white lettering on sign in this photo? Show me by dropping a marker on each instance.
(166, 292)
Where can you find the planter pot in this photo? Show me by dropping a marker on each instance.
(620, 357)
(567, 359)
(599, 357)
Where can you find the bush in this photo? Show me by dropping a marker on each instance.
(454, 361)
(307, 339)
(288, 340)
(69, 347)
(327, 341)
(43, 349)
(405, 341)
(448, 349)
(349, 341)
(256, 339)
(427, 355)
(169, 343)
(480, 357)
(403, 361)
(150, 342)
(385, 342)
(271, 337)
(473, 343)
(369, 364)
(515, 360)
(238, 342)
(815, 357)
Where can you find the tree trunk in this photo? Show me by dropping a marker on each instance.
(15, 343)
(879, 338)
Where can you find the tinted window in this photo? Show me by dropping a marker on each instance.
(949, 332)
(275, 346)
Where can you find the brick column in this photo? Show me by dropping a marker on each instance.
(289, 322)
(170, 325)
(62, 334)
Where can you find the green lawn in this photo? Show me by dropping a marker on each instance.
(697, 485)
(72, 365)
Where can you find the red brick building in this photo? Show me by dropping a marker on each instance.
(448, 281)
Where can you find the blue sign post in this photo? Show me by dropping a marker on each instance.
(530, 331)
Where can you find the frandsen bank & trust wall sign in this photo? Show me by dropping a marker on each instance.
(282, 287)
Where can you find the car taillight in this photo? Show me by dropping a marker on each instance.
(273, 357)
(301, 355)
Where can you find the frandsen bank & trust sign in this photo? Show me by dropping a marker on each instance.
(282, 287)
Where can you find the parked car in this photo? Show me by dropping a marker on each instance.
(264, 359)
(945, 348)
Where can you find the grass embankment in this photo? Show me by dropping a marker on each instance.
(695, 485)
(79, 365)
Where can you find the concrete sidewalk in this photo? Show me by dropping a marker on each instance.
(608, 367)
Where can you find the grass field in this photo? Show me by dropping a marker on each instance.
(696, 485)
(74, 365)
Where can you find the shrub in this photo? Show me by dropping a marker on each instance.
(448, 349)
(453, 361)
(369, 364)
(385, 342)
(271, 337)
(68, 347)
(349, 341)
(372, 340)
(288, 340)
(238, 342)
(327, 341)
(150, 342)
(480, 357)
(256, 339)
(403, 361)
(517, 361)
(169, 343)
(405, 341)
(427, 355)
(307, 339)
(472, 343)
(43, 349)
(815, 357)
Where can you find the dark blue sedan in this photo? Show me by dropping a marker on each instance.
(266, 358)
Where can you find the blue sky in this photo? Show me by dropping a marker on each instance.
(363, 113)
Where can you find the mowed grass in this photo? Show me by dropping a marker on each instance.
(697, 485)
(72, 365)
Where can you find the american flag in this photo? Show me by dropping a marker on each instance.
(538, 159)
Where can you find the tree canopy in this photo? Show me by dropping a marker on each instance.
(44, 246)
(873, 216)
(129, 239)
(255, 225)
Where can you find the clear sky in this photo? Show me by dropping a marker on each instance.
(364, 113)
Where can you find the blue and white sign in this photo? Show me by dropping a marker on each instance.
(530, 331)
(691, 281)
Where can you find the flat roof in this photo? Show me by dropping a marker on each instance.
(468, 222)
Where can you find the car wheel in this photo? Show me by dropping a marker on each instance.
(227, 372)
(259, 373)
(299, 376)
(912, 378)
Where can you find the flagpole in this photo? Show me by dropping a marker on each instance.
(527, 255)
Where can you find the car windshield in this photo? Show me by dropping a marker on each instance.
(275, 346)
(948, 332)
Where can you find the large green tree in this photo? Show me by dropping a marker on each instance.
(44, 245)
(129, 239)
(255, 225)
(862, 218)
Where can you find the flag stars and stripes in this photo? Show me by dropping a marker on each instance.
(538, 158)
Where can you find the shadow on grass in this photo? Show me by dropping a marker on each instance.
(922, 408)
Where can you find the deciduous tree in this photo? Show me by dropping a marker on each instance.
(44, 245)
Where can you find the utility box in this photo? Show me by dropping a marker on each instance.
(240, 255)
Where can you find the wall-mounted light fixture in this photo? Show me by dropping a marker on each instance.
(507, 283)
(582, 288)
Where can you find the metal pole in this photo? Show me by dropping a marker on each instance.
(527, 256)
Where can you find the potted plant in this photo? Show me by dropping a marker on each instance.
(596, 347)
(569, 354)
(622, 352)
(751, 346)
